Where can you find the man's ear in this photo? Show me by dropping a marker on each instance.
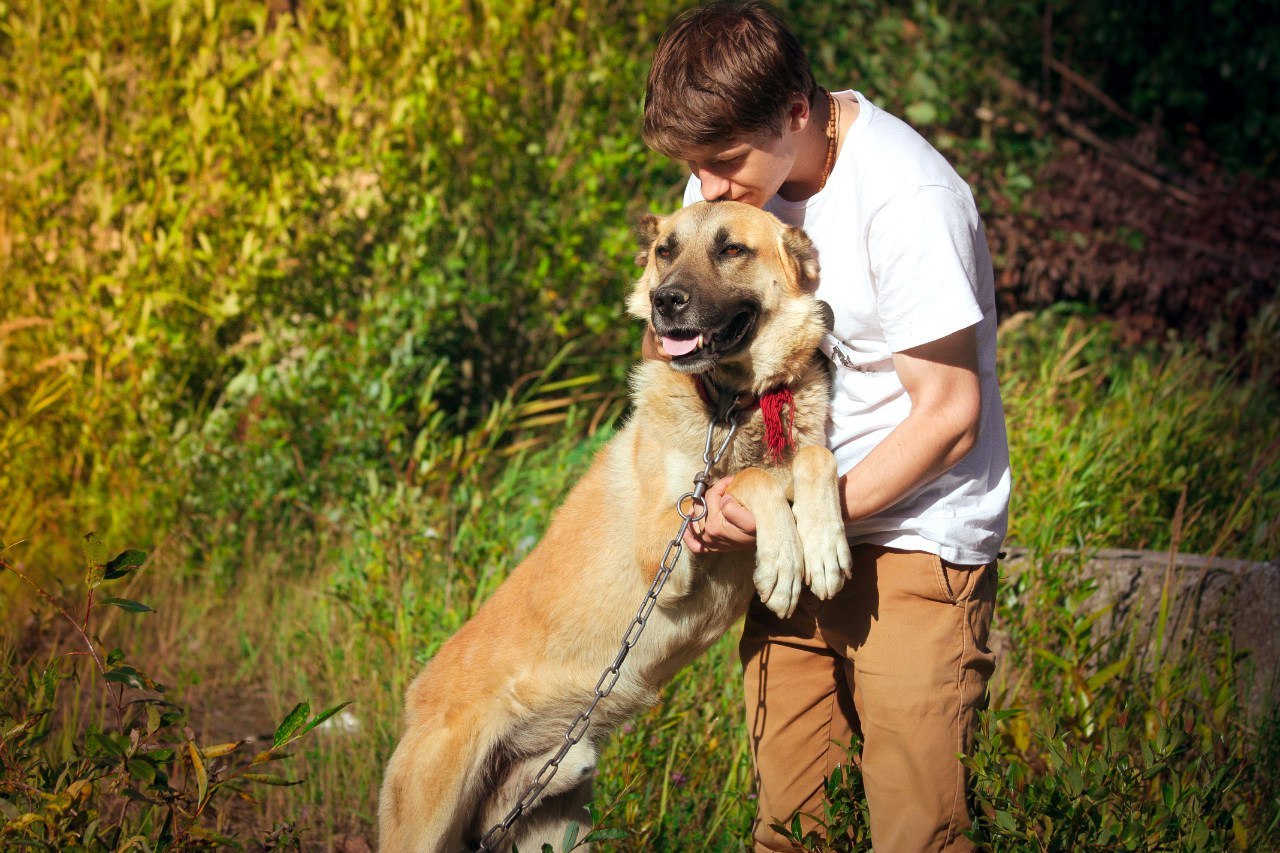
(798, 112)
(646, 231)
(801, 249)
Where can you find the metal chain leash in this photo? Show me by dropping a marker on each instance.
(697, 510)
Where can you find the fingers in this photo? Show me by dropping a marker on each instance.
(738, 515)
(727, 526)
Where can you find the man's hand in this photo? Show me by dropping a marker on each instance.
(728, 525)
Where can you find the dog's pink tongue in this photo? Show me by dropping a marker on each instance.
(673, 347)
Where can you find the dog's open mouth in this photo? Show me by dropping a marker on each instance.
(688, 344)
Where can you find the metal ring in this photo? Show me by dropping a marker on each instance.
(698, 502)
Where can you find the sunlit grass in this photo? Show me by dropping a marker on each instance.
(409, 569)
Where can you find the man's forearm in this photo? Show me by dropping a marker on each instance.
(918, 450)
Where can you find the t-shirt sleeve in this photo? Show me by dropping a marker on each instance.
(923, 250)
(692, 191)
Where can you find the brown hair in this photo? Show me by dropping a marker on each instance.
(722, 72)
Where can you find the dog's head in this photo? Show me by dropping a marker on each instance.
(727, 285)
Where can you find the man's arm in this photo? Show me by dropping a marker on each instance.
(941, 378)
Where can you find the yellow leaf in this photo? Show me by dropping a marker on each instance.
(202, 775)
(220, 749)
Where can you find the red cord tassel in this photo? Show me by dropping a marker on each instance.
(777, 435)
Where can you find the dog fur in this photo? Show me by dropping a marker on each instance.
(495, 701)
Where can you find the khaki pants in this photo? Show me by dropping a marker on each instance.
(900, 658)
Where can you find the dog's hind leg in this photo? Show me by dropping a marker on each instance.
(563, 801)
(551, 820)
(431, 789)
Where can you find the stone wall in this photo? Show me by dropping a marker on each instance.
(1240, 596)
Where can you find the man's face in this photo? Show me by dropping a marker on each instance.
(749, 170)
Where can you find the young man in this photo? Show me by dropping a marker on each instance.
(899, 656)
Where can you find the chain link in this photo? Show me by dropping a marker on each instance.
(697, 510)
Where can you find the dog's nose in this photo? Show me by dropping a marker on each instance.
(669, 300)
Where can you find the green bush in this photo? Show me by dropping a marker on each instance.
(1195, 69)
(188, 188)
(132, 777)
(1126, 791)
(330, 308)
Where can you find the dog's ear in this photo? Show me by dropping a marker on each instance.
(646, 231)
(801, 249)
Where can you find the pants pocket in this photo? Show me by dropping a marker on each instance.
(955, 583)
(945, 587)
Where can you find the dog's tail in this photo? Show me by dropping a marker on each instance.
(433, 788)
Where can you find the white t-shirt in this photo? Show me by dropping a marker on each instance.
(904, 262)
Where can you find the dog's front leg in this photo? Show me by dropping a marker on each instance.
(827, 559)
(779, 551)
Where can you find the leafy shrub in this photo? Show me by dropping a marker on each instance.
(1122, 792)
(1193, 68)
(135, 781)
(189, 184)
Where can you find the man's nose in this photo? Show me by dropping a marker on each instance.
(713, 186)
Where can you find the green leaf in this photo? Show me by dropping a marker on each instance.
(604, 835)
(115, 656)
(124, 563)
(217, 838)
(131, 677)
(570, 836)
(140, 768)
(95, 558)
(835, 781)
(1100, 678)
(1057, 661)
(291, 723)
(922, 112)
(126, 604)
(105, 743)
(324, 715)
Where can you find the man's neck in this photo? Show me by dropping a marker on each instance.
(806, 177)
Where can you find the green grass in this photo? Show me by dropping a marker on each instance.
(326, 317)
(376, 603)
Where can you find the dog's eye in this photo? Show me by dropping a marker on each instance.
(664, 252)
(733, 250)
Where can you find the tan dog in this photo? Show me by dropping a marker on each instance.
(728, 288)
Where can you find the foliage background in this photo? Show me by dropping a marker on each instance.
(319, 303)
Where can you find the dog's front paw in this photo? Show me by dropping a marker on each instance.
(828, 563)
(779, 572)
